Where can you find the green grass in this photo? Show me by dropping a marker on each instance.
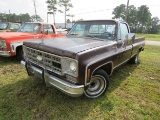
(134, 93)
(151, 37)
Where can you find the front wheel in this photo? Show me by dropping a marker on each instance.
(98, 85)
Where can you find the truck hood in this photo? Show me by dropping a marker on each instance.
(6, 35)
(67, 46)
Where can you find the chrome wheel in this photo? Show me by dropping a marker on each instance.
(98, 84)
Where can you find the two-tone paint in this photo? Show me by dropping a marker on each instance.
(91, 54)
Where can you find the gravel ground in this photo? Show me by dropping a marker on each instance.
(154, 43)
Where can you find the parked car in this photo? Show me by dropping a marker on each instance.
(9, 27)
(11, 42)
(82, 62)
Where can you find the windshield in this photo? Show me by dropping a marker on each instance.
(3, 26)
(30, 27)
(94, 29)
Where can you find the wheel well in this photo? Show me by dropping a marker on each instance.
(107, 68)
(18, 48)
(141, 49)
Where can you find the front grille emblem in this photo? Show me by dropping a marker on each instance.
(39, 58)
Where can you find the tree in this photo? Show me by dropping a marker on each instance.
(144, 17)
(68, 21)
(67, 5)
(39, 19)
(119, 12)
(155, 26)
(51, 5)
(26, 17)
(132, 18)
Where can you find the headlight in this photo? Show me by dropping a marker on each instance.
(69, 66)
(72, 66)
(3, 44)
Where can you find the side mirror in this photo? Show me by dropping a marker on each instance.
(131, 36)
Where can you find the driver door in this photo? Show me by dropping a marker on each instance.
(124, 48)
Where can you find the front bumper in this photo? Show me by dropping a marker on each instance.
(66, 87)
(5, 53)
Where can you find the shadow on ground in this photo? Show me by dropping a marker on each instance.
(30, 99)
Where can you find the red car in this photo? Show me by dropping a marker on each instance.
(11, 42)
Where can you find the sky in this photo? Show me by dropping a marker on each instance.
(82, 9)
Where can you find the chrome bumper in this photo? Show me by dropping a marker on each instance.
(5, 53)
(66, 87)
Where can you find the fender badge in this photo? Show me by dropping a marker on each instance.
(39, 58)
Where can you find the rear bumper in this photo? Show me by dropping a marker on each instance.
(64, 86)
(5, 53)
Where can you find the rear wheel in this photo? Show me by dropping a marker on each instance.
(135, 59)
(98, 85)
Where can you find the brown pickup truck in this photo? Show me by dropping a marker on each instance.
(81, 63)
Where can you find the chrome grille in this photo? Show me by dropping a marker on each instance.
(49, 61)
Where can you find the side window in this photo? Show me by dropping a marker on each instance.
(11, 26)
(122, 31)
(49, 28)
(14, 26)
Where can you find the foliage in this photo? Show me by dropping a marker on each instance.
(67, 5)
(51, 5)
(139, 19)
(119, 12)
(133, 94)
(39, 19)
(18, 18)
(155, 26)
(144, 18)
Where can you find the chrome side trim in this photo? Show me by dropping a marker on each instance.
(101, 66)
(120, 64)
(107, 57)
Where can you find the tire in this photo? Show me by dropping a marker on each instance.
(99, 84)
(135, 59)
(19, 54)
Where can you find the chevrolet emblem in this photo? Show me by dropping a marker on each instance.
(39, 58)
